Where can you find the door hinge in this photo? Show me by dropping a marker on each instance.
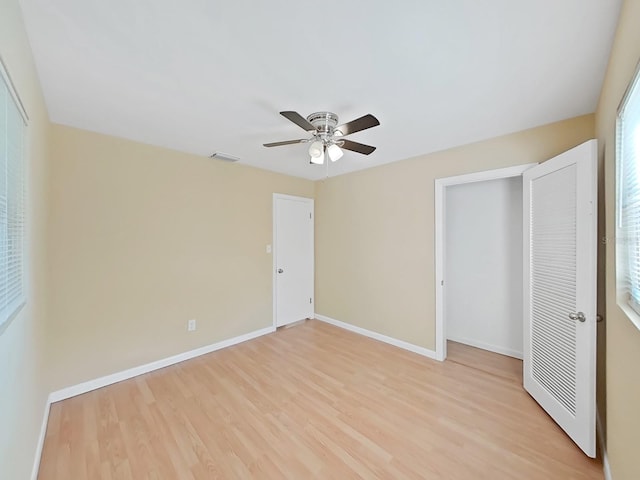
(310, 300)
(309, 215)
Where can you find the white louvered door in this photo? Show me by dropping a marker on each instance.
(560, 242)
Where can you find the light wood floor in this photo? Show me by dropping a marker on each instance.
(314, 401)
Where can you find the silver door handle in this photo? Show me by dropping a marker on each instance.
(578, 316)
(280, 270)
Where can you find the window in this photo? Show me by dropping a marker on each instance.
(12, 153)
(628, 202)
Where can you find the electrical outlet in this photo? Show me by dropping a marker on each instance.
(191, 325)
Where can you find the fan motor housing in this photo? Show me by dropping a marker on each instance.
(325, 122)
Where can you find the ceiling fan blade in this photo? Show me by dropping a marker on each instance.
(362, 123)
(356, 147)
(286, 142)
(299, 120)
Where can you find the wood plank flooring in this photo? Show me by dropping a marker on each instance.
(500, 365)
(313, 401)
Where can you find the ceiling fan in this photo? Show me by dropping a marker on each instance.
(327, 138)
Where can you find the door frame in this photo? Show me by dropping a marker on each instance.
(274, 250)
(441, 185)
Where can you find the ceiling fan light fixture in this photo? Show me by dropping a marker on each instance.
(316, 149)
(318, 160)
(334, 152)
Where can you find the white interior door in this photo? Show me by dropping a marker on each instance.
(293, 258)
(560, 241)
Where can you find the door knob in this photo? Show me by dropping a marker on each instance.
(577, 316)
(280, 270)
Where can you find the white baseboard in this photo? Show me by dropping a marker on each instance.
(603, 448)
(378, 336)
(486, 346)
(149, 367)
(40, 445)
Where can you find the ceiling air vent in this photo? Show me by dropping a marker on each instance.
(224, 156)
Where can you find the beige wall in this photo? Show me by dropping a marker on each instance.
(375, 264)
(623, 339)
(23, 386)
(144, 239)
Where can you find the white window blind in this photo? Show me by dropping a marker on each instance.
(628, 201)
(12, 152)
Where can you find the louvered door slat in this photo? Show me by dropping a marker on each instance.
(555, 211)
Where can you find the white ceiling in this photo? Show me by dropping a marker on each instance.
(208, 75)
